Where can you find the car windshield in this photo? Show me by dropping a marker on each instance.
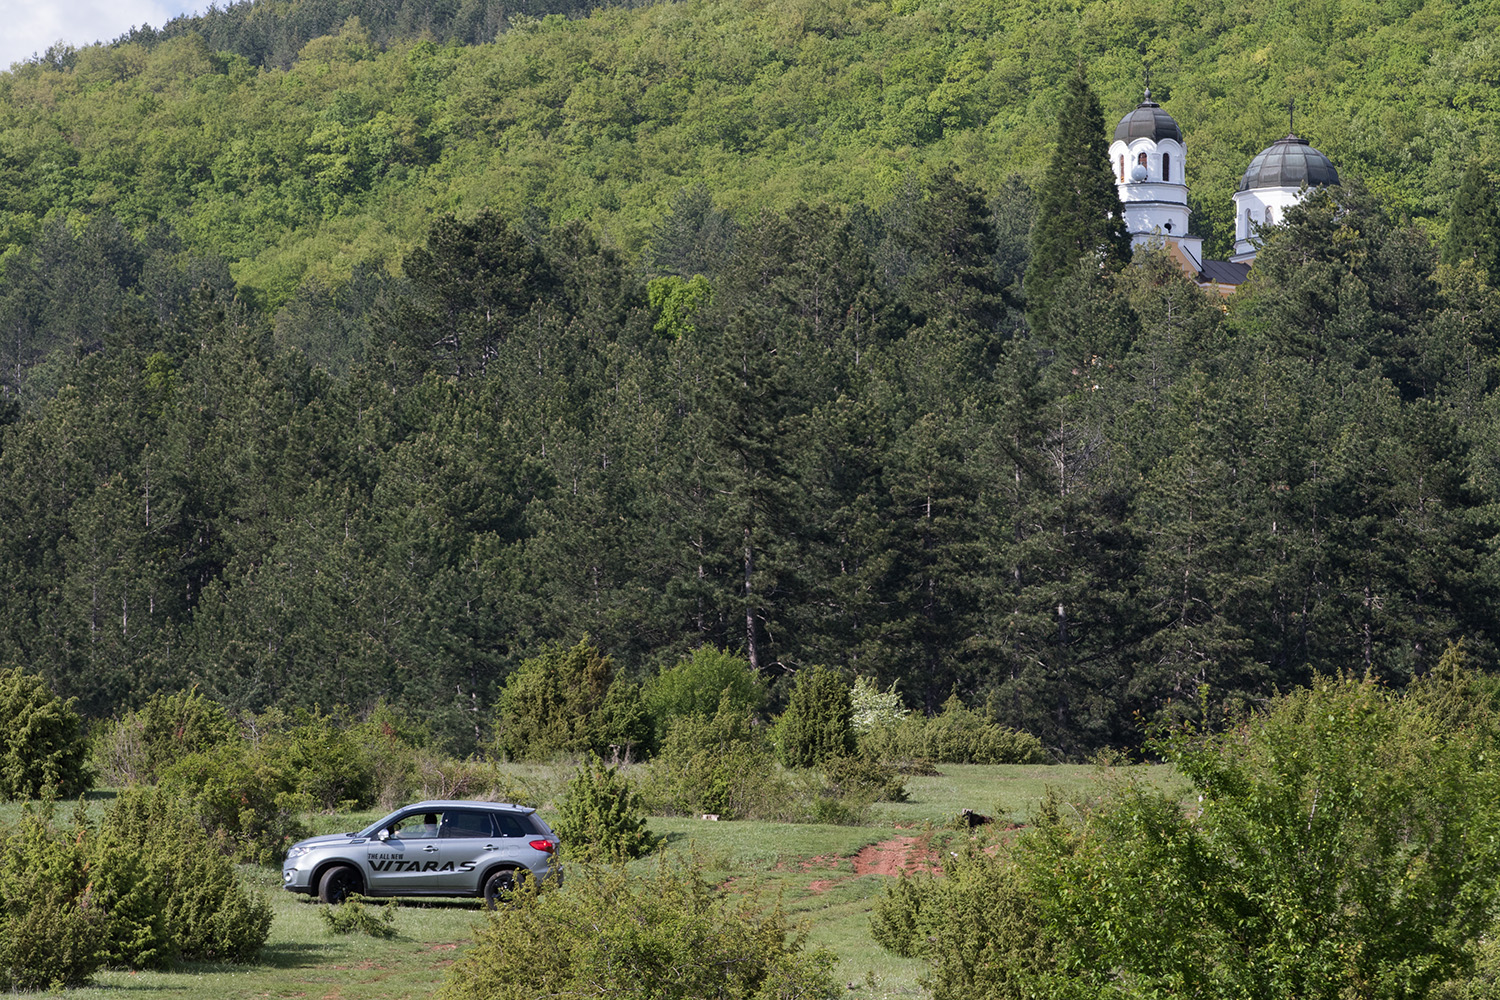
(380, 824)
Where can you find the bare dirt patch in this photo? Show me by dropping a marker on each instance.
(901, 856)
(821, 885)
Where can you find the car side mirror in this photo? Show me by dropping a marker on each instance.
(383, 835)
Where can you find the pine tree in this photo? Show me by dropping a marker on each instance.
(1474, 230)
(1079, 213)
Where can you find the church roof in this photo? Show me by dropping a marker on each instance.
(1289, 162)
(1147, 121)
(1224, 272)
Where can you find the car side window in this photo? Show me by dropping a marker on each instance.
(467, 824)
(510, 826)
(417, 826)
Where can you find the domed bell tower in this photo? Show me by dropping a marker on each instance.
(1149, 159)
(1279, 177)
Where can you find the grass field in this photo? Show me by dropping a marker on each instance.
(810, 868)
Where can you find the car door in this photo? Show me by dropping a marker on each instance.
(408, 859)
(466, 844)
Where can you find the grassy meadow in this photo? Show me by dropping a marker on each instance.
(811, 869)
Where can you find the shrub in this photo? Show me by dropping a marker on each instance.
(896, 919)
(670, 934)
(41, 743)
(203, 911)
(1332, 849)
(134, 749)
(725, 766)
(858, 777)
(699, 685)
(355, 916)
(322, 759)
(52, 929)
(980, 927)
(245, 803)
(437, 776)
(568, 701)
(148, 888)
(396, 750)
(874, 707)
(601, 816)
(816, 724)
(721, 765)
(957, 735)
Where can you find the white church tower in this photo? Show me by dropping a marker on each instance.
(1150, 163)
(1276, 180)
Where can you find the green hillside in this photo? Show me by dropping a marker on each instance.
(342, 158)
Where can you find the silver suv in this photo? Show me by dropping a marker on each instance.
(437, 848)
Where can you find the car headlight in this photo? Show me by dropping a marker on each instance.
(297, 852)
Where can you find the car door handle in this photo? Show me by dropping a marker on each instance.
(429, 848)
(489, 847)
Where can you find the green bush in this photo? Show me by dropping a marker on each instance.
(722, 765)
(874, 707)
(857, 777)
(1482, 981)
(134, 749)
(568, 701)
(322, 757)
(601, 816)
(241, 800)
(197, 908)
(979, 927)
(396, 750)
(355, 916)
(817, 722)
(1340, 844)
(698, 685)
(725, 766)
(52, 928)
(896, 919)
(957, 735)
(669, 934)
(41, 741)
(147, 888)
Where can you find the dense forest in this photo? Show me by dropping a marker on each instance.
(370, 372)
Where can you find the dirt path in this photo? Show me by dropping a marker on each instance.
(901, 856)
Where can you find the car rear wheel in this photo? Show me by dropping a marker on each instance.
(339, 883)
(499, 888)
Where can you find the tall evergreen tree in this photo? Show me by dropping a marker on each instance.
(1474, 228)
(471, 282)
(1078, 212)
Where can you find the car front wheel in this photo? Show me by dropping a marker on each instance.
(339, 883)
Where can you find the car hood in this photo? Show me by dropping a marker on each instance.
(330, 838)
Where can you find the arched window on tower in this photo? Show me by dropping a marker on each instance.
(1166, 167)
(1139, 159)
(1122, 168)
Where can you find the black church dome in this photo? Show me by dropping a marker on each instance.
(1289, 162)
(1148, 121)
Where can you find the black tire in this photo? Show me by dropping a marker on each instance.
(339, 883)
(498, 888)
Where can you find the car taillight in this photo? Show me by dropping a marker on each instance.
(543, 845)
